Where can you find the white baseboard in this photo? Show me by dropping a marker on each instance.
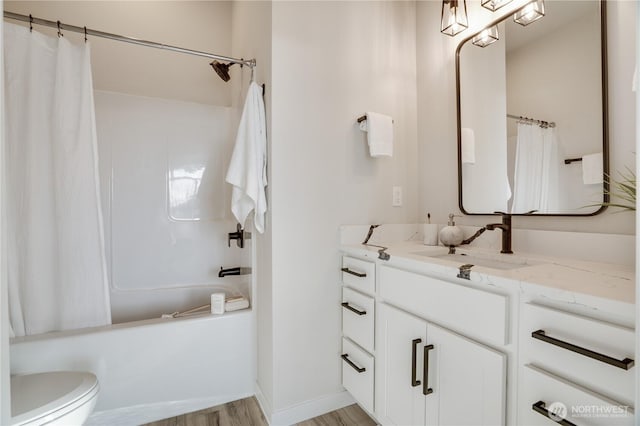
(265, 405)
(303, 411)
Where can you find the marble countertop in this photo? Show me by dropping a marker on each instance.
(565, 279)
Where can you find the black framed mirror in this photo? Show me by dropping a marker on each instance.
(532, 124)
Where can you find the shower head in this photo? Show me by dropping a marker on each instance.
(221, 69)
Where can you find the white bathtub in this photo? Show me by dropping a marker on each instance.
(153, 369)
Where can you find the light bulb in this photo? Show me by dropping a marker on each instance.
(530, 13)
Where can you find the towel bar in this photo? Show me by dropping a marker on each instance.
(572, 160)
(364, 117)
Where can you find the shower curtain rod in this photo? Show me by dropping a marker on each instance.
(87, 31)
(533, 120)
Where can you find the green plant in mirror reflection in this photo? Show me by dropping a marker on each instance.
(622, 191)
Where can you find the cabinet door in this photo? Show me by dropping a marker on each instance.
(468, 381)
(400, 340)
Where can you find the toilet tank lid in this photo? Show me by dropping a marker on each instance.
(42, 393)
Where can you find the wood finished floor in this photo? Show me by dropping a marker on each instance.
(246, 412)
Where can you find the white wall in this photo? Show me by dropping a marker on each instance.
(251, 38)
(127, 68)
(5, 392)
(437, 115)
(332, 62)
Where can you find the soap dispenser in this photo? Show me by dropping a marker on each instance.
(451, 235)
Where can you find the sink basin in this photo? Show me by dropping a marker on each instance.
(505, 262)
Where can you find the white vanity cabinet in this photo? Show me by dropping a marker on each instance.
(428, 375)
(582, 364)
(431, 367)
(358, 314)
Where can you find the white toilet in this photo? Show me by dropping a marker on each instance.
(55, 398)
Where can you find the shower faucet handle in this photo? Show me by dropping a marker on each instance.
(240, 235)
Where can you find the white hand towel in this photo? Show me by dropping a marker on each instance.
(247, 169)
(592, 172)
(468, 144)
(380, 134)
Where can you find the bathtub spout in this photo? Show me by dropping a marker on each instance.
(238, 270)
(228, 271)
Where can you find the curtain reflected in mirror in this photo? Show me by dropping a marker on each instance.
(526, 103)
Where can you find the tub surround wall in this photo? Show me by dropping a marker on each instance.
(166, 206)
(437, 114)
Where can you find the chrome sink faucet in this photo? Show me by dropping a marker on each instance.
(505, 227)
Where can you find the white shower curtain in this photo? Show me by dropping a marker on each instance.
(56, 260)
(537, 168)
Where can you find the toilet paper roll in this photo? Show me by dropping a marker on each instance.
(430, 234)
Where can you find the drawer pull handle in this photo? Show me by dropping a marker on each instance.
(346, 305)
(357, 274)
(625, 364)
(539, 407)
(426, 390)
(414, 349)
(345, 357)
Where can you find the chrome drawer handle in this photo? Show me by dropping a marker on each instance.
(625, 364)
(357, 274)
(346, 305)
(540, 407)
(345, 357)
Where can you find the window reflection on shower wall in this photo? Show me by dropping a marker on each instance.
(166, 206)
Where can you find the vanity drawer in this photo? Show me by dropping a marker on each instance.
(357, 317)
(359, 274)
(357, 374)
(583, 407)
(475, 313)
(559, 334)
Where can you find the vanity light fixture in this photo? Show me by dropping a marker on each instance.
(494, 5)
(486, 37)
(454, 17)
(530, 13)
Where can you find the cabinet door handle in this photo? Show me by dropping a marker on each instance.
(345, 357)
(357, 274)
(426, 390)
(625, 364)
(346, 305)
(539, 407)
(414, 355)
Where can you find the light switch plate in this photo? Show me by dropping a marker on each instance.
(397, 196)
